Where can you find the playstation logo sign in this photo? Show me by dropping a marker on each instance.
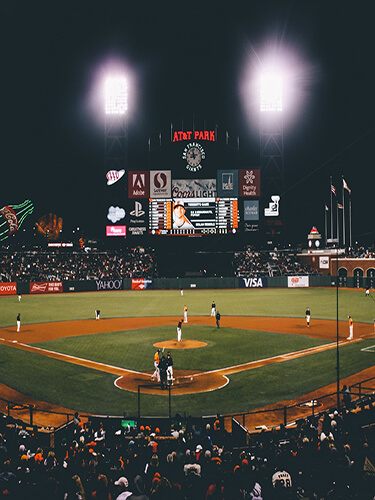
(137, 212)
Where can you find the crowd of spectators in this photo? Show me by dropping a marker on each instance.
(360, 252)
(327, 456)
(250, 262)
(59, 266)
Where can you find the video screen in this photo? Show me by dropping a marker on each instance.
(193, 216)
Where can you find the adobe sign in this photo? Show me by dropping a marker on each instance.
(139, 184)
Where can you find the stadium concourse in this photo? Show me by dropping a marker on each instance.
(42, 265)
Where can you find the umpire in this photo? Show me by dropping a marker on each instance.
(163, 372)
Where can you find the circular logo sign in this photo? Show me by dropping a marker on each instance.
(193, 154)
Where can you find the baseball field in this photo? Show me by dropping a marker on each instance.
(262, 354)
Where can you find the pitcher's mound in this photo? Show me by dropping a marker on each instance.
(184, 344)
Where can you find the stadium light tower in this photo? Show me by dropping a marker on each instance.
(116, 106)
(116, 149)
(271, 92)
(116, 96)
(272, 152)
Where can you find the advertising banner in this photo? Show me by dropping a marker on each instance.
(115, 231)
(102, 285)
(138, 218)
(324, 262)
(249, 181)
(160, 184)
(194, 188)
(8, 288)
(139, 184)
(253, 282)
(298, 281)
(141, 283)
(46, 287)
(227, 183)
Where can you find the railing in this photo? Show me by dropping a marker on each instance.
(362, 393)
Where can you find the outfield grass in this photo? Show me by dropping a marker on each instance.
(89, 390)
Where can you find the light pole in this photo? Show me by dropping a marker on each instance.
(116, 150)
(272, 144)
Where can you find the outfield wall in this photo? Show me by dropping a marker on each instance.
(190, 283)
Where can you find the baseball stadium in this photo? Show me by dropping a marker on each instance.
(181, 342)
(269, 347)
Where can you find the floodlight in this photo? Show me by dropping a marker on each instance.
(116, 96)
(271, 93)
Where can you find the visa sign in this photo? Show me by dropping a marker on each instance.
(253, 282)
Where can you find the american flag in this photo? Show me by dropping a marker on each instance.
(346, 186)
(333, 189)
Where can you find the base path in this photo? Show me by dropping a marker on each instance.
(187, 382)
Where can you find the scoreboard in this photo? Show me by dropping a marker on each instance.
(193, 216)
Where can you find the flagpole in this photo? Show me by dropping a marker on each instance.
(343, 214)
(337, 221)
(331, 213)
(350, 220)
(325, 223)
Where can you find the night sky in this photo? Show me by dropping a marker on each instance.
(185, 60)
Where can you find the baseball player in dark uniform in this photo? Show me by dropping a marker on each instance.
(308, 315)
(179, 331)
(169, 369)
(163, 372)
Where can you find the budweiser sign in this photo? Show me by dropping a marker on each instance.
(11, 218)
(46, 287)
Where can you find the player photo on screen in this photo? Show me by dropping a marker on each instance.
(180, 221)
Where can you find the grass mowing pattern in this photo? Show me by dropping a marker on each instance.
(88, 390)
(134, 349)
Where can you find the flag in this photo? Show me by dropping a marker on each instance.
(368, 467)
(333, 189)
(340, 206)
(346, 186)
(327, 209)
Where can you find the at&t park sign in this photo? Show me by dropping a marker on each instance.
(196, 135)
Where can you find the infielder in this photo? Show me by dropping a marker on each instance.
(179, 332)
(185, 314)
(156, 364)
(213, 309)
(351, 328)
(308, 316)
(18, 322)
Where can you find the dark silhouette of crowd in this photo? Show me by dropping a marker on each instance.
(38, 265)
(327, 456)
(60, 266)
(250, 262)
